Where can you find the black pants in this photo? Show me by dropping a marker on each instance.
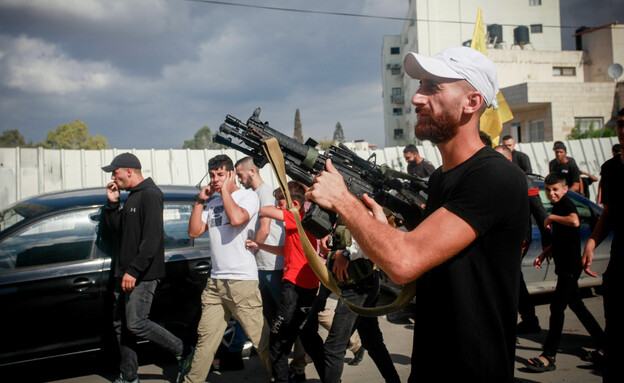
(526, 308)
(291, 313)
(613, 294)
(346, 322)
(567, 293)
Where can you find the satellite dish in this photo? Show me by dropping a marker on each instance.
(615, 71)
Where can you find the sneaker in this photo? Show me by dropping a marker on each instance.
(122, 380)
(184, 363)
(357, 357)
(528, 328)
(293, 377)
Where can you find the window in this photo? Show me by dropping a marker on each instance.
(586, 124)
(535, 2)
(516, 131)
(395, 70)
(398, 134)
(397, 111)
(63, 238)
(395, 50)
(536, 28)
(397, 91)
(175, 222)
(564, 71)
(536, 131)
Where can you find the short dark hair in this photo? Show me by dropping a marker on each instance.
(617, 148)
(555, 178)
(485, 138)
(411, 148)
(220, 161)
(507, 137)
(297, 192)
(247, 162)
(621, 112)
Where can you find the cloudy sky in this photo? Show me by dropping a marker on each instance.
(150, 73)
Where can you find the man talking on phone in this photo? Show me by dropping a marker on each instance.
(139, 263)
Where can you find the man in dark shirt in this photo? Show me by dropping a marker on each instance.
(139, 263)
(417, 165)
(466, 253)
(611, 220)
(517, 157)
(566, 167)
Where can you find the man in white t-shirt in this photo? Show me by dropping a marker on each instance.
(230, 219)
(268, 231)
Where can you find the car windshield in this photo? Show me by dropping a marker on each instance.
(17, 213)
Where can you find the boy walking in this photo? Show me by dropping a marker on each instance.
(299, 288)
(566, 253)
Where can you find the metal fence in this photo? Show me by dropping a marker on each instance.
(29, 171)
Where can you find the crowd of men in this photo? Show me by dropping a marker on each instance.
(465, 255)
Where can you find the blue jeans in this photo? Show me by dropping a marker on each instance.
(364, 293)
(131, 321)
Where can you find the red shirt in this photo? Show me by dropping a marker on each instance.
(296, 267)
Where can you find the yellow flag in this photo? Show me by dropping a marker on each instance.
(492, 120)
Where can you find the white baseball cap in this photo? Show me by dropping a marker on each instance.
(461, 63)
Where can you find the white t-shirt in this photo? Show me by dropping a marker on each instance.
(264, 259)
(230, 258)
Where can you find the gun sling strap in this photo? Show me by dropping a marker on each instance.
(276, 158)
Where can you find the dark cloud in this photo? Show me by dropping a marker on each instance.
(150, 73)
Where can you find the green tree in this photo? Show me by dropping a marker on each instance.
(202, 140)
(73, 135)
(577, 134)
(338, 133)
(298, 135)
(12, 139)
(324, 144)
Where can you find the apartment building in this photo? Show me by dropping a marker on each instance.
(550, 91)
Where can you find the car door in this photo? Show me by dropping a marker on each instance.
(50, 287)
(177, 302)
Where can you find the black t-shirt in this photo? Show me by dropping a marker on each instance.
(422, 170)
(566, 240)
(466, 308)
(612, 184)
(521, 160)
(569, 170)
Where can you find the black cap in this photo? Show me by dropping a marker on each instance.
(124, 160)
(559, 145)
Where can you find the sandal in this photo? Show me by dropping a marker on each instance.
(537, 365)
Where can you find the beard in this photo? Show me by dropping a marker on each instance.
(437, 129)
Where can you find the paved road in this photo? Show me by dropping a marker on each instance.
(397, 329)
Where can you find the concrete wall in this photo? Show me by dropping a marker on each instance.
(26, 172)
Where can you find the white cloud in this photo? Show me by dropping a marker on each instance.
(34, 66)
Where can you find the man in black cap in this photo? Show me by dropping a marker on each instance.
(140, 263)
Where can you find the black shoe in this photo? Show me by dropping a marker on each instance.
(232, 361)
(293, 377)
(528, 328)
(357, 357)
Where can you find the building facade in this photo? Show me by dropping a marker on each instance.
(549, 91)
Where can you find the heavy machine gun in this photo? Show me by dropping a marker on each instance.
(397, 192)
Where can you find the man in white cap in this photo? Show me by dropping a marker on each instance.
(466, 252)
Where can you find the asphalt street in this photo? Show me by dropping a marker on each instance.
(397, 329)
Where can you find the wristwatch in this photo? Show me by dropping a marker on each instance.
(200, 200)
(346, 254)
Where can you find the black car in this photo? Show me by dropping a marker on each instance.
(55, 274)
